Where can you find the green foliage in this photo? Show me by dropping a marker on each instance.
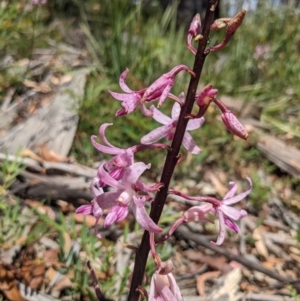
(10, 169)
(260, 193)
(19, 27)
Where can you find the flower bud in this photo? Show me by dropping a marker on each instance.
(233, 125)
(194, 32)
(231, 122)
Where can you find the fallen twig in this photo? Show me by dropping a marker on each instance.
(184, 232)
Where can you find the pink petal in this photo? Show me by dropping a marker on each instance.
(240, 196)
(156, 134)
(103, 137)
(174, 287)
(233, 213)
(145, 111)
(176, 111)
(143, 218)
(97, 210)
(121, 112)
(147, 188)
(107, 179)
(133, 173)
(121, 96)
(94, 187)
(116, 214)
(105, 149)
(189, 143)
(231, 225)
(197, 213)
(85, 209)
(107, 199)
(222, 230)
(165, 93)
(122, 81)
(160, 117)
(232, 190)
(194, 124)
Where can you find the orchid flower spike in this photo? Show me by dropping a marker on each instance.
(125, 195)
(231, 122)
(221, 208)
(231, 24)
(169, 127)
(163, 285)
(158, 90)
(194, 33)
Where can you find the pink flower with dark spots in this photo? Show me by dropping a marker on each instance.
(169, 127)
(221, 208)
(158, 90)
(125, 195)
(163, 286)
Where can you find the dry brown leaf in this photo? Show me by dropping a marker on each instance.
(65, 79)
(219, 263)
(259, 243)
(9, 286)
(38, 87)
(41, 208)
(30, 154)
(204, 277)
(49, 155)
(218, 185)
(62, 284)
(54, 80)
(50, 275)
(246, 287)
(89, 220)
(295, 257)
(67, 243)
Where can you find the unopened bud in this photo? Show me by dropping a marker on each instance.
(194, 32)
(231, 122)
(233, 125)
(235, 23)
(206, 96)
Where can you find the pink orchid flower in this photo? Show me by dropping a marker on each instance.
(116, 165)
(125, 195)
(221, 208)
(123, 157)
(163, 287)
(158, 90)
(169, 127)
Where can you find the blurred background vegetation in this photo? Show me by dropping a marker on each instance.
(261, 65)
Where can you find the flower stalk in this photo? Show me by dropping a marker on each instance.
(173, 155)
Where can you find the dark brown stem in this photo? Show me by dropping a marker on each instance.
(172, 156)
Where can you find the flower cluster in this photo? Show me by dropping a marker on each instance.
(122, 174)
